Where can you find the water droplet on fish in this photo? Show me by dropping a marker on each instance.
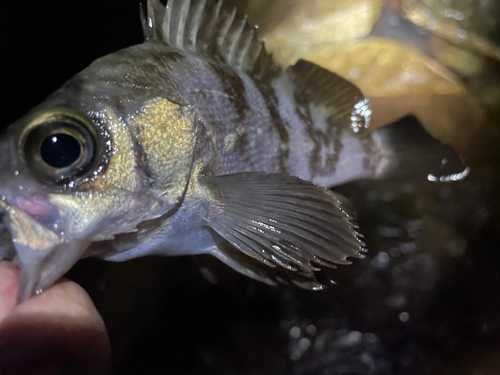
(16, 173)
(450, 178)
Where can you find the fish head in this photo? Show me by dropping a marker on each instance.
(76, 171)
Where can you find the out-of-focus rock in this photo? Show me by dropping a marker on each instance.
(465, 23)
(313, 21)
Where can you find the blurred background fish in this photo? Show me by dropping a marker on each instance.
(425, 299)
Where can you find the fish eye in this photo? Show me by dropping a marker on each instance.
(58, 145)
(60, 150)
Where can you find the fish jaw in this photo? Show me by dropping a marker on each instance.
(41, 269)
(41, 253)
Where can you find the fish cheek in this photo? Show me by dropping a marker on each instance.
(167, 133)
(121, 171)
(115, 201)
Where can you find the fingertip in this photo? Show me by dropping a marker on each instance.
(65, 299)
(9, 284)
(58, 330)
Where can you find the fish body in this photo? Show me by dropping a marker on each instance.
(195, 142)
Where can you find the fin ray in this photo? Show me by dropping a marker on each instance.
(193, 24)
(207, 28)
(261, 272)
(283, 222)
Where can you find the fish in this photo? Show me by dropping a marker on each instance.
(195, 142)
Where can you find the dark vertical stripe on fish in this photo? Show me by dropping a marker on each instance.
(140, 158)
(272, 103)
(334, 132)
(303, 111)
(169, 62)
(328, 143)
(234, 88)
(373, 155)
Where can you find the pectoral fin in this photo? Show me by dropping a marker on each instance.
(283, 223)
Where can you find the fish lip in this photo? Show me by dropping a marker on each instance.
(37, 206)
(17, 186)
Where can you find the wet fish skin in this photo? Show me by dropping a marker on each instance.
(164, 118)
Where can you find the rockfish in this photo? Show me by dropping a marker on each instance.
(196, 142)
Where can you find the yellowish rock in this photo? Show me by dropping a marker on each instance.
(442, 20)
(460, 60)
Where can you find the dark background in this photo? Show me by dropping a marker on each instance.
(44, 43)
(425, 301)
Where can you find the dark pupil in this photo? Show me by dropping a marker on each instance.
(60, 150)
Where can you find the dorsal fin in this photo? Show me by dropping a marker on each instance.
(207, 28)
(344, 103)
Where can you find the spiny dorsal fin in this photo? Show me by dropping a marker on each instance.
(205, 27)
(345, 105)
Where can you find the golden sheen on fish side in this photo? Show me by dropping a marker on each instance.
(195, 142)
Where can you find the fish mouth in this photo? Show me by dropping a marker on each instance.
(41, 249)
